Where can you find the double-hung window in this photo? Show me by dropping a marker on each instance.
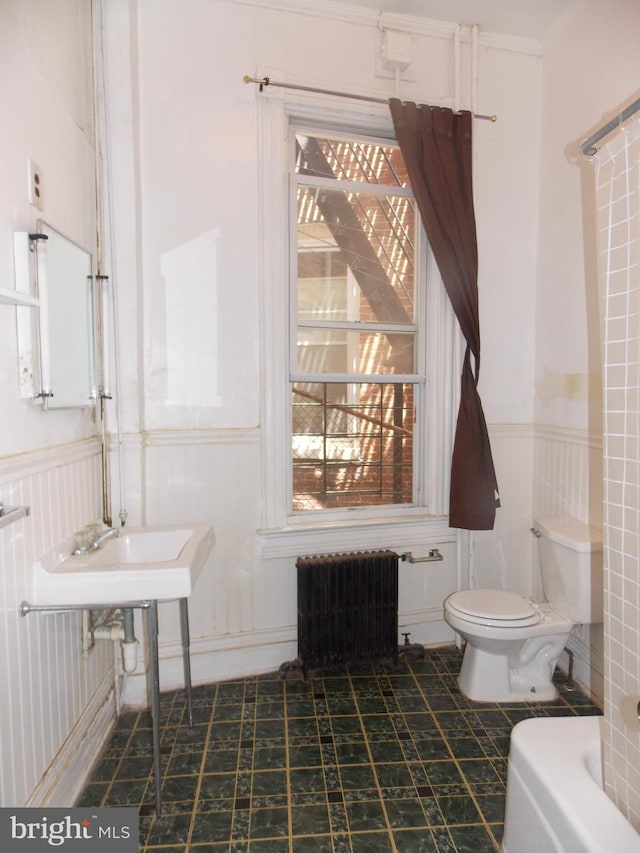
(357, 351)
(360, 349)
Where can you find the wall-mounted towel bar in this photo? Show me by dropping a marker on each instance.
(433, 556)
(9, 514)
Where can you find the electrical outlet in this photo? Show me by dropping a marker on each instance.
(35, 185)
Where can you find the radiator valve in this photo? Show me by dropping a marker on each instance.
(416, 650)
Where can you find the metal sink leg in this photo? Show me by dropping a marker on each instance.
(152, 629)
(152, 626)
(186, 663)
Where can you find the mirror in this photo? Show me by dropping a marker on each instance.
(63, 347)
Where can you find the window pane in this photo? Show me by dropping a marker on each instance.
(342, 351)
(324, 289)
(352, 444)
(356, 256)
(346, 160)
(355, 313)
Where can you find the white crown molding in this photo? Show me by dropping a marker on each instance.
(194, 437)
(35, 462)
(444, 29)
(168, 438)
(318, 9)
(127, 441)
(550, 432)
(504, 430)
(513, 44)
(569, 435)
(402, 23)
(133, 441)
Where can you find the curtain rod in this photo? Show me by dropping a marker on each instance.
(267, 81)
(588, 147)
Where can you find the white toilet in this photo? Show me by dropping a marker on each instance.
(512, 643)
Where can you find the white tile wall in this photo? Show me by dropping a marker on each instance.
(47, 684)
(618, 223)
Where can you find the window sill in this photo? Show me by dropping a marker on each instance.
(323, 537)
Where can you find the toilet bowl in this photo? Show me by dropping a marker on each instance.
(513, 643)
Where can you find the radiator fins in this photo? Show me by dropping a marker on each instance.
(347, 608)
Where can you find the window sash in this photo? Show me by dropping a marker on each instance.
(355, 187)
(282, 531)
(352, 445)
(413, 329)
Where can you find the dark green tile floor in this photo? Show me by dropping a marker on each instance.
(372, 759)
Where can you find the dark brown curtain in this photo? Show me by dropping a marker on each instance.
(436, 146)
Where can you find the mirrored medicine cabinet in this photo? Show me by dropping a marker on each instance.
(58, 336)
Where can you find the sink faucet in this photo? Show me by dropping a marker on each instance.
(96, 541)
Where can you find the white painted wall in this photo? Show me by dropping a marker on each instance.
(55, 709)
(590, 69)
(47, 103)
(183, 163)
(185, 174)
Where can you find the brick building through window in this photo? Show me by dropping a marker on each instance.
(355, 370)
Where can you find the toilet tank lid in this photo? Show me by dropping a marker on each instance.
(570, 532)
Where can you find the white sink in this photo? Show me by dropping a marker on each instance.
(143, 563)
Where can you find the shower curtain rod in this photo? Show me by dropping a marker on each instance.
(267, 81)
(588, 147)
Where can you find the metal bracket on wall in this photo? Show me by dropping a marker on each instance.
(9, 514)
(433, 556)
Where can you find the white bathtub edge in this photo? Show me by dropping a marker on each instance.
(548, 772)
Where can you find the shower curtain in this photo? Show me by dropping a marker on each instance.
(617, 172)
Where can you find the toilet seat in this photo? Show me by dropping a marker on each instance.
(494, 607)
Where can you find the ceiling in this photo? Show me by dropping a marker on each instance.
(525, 18)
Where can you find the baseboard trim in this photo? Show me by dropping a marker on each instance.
(215, 659)
(256, 653)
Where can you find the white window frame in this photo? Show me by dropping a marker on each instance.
(279, 111)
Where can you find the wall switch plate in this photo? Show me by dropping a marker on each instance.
(35, 185)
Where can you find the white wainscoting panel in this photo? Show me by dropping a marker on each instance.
(568, 474)
(48, 684)
(243, 612)
(568, 481)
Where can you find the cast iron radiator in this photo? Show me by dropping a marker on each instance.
(347, 608)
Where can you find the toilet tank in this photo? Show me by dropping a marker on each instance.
(571, 566)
